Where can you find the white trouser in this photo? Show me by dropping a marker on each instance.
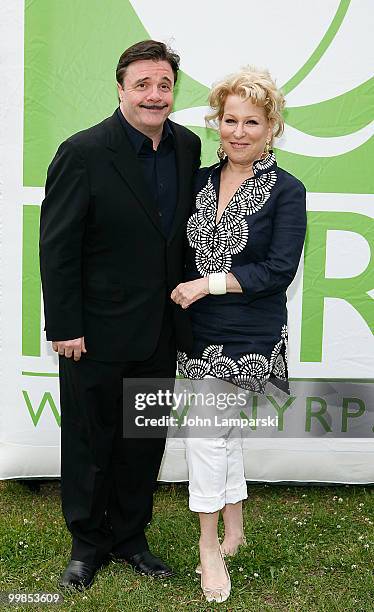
(216, 473)
(216, 467)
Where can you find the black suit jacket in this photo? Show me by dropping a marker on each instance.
(107, 269)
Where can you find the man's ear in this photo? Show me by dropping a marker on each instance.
(120, 91)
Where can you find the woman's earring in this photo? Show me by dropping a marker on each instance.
(220, 152)
(266, 149)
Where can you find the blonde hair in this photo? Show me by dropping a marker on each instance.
(252, 84)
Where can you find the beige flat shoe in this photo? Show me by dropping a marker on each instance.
(221, 593)
(225, 555)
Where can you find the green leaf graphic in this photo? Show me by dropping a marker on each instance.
(339, 116)
(71, 49)
(320, 50)
(351, 172)
(189, 93)
(70, 53)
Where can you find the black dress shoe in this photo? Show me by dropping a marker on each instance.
(78, 575)
(147, 564)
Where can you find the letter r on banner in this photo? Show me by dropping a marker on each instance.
(317, 287)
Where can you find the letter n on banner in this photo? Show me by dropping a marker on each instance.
(317, 287)
(31, 286)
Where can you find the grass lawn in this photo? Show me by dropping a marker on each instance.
(310, 549)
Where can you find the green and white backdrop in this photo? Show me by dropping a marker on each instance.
(57, 77)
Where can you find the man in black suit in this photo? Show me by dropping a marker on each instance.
(111, 251)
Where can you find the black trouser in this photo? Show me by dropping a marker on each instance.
(107, 481)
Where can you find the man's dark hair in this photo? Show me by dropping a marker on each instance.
(147, 50)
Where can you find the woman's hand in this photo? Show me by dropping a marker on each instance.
(186, 294)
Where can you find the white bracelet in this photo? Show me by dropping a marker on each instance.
(217, 283)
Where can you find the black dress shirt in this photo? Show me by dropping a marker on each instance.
(159, 169)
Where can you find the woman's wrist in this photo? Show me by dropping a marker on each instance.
(205, 285)
(221, 283)
(217, 283)
(232, 284)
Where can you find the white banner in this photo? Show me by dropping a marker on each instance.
(57, 77)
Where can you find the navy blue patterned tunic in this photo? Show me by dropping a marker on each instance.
(242, 337)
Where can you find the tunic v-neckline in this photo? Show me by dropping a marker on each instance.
(241, 186)
(258, 166)
(230, 200)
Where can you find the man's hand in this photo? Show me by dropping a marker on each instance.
(70, 348)
(186, 294)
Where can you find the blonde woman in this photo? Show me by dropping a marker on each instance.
(245, 237)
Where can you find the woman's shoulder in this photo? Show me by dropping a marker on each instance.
(288, 180)
(202, 175)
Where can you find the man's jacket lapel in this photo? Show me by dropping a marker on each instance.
(127, 165)
(184, 164)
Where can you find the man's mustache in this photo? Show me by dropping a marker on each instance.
(153, 106)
